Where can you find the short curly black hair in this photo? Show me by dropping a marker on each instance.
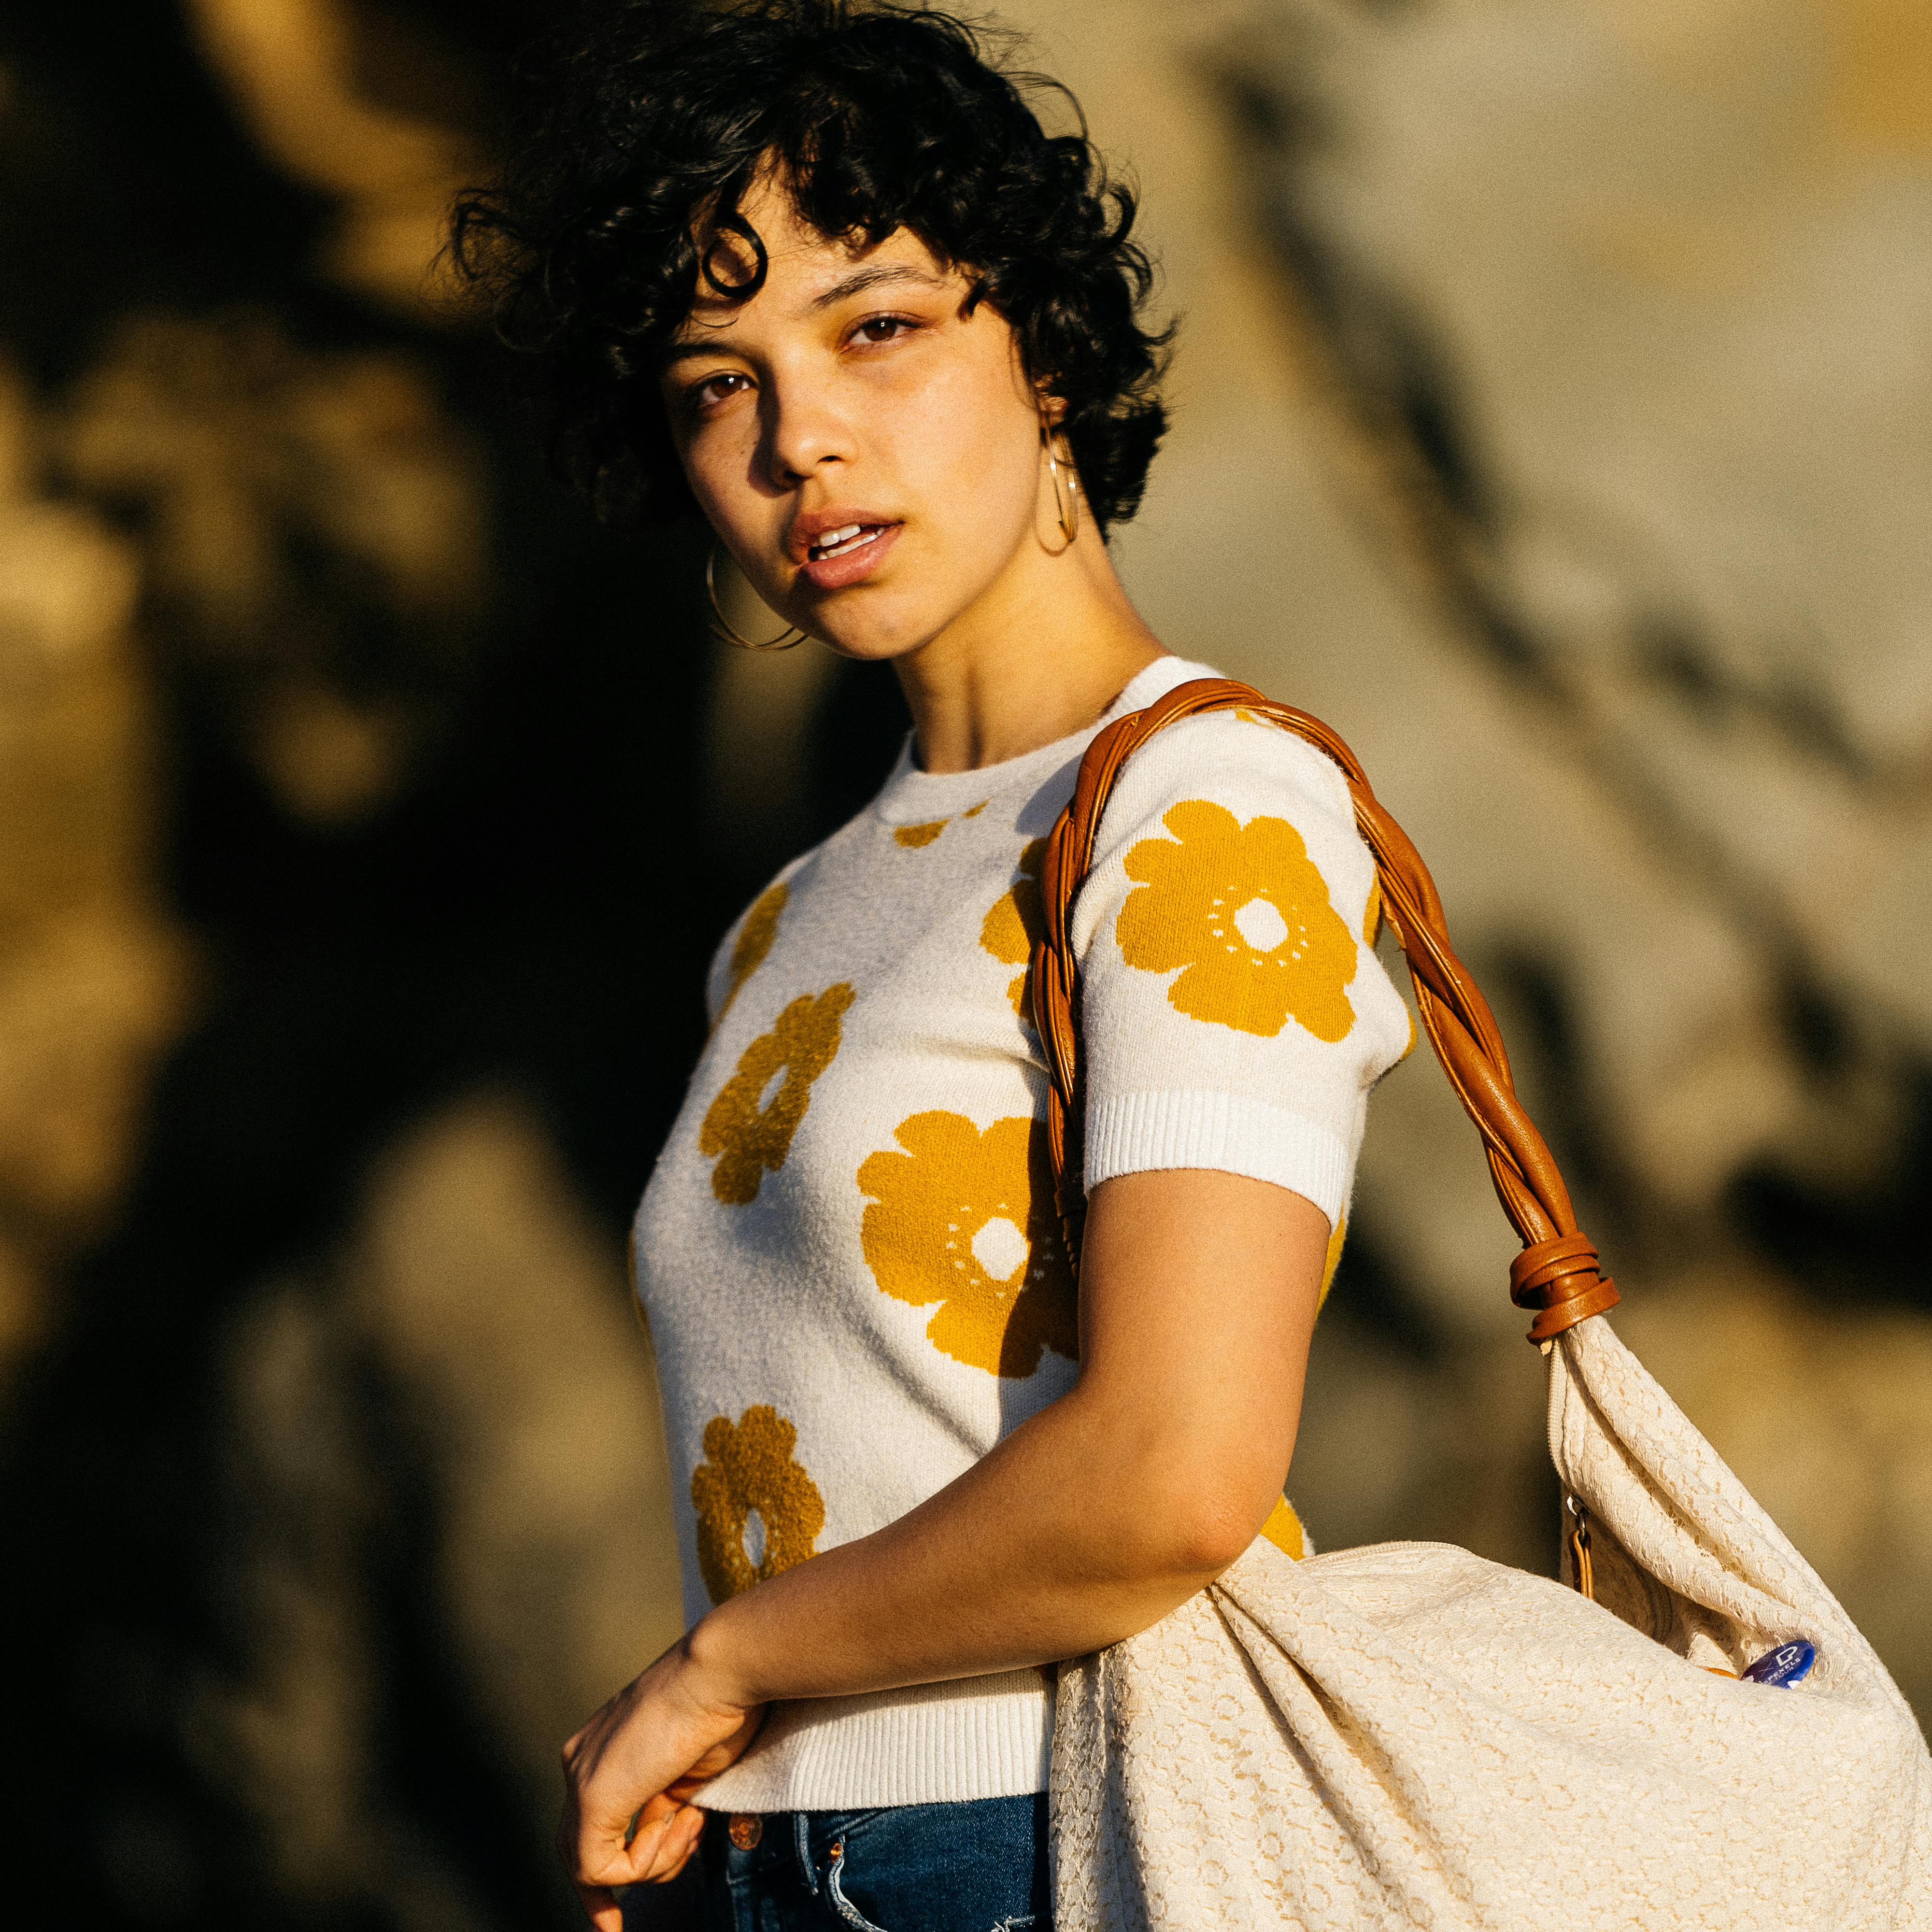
(647, 126)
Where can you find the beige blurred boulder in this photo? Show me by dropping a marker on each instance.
(289, 501)
(94, 976)
(1676, 321)
(1451, 1449)
(1673, 257)
(472, 1287)
(85, 1007)
(506, 1321)
(293, 1734)
(300, 72)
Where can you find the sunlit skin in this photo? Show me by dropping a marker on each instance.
(855, 381)
(860, 382)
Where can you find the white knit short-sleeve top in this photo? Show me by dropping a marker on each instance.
(848, 1256)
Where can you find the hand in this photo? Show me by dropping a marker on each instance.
(628, 1775)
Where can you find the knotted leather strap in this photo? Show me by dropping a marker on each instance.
(1557, 1273)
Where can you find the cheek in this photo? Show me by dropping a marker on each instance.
(717, 464)
(968, 447)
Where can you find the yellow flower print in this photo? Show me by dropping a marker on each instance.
(748, 1472)
(1011, 930)
(1283, 1529)
(749, 1135)
(914, 836)
(1245, 912)
(754, 941)
(1332, 1259)
(967, 1220)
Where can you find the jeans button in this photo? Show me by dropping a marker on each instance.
(746, 1828)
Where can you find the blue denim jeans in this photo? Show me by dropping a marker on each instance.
(978, 1866)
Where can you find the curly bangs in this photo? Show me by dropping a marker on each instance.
(648, 129)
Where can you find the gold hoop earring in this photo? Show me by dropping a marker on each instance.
(789, 636)
(1066, 496)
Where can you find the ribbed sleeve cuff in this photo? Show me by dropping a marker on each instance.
(976, 1737)
(1178, 1126)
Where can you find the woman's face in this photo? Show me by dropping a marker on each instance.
(869, 453)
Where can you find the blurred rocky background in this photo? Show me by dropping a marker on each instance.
(1553, 415)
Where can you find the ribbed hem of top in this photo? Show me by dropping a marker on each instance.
(933, 1744)
(1179, 1127)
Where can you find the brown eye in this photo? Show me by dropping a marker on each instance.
(715, 389)
(880, 328)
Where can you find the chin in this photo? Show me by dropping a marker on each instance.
(871, 638)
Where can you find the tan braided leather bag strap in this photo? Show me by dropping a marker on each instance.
(1557, 1273)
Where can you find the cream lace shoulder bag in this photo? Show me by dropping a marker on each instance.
(1406, 1734)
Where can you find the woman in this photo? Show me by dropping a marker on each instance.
(817, 269)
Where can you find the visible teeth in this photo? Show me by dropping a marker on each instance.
(837, 543)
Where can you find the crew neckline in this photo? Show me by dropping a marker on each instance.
(910, 795)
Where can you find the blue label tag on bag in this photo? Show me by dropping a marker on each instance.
(1785, 1665)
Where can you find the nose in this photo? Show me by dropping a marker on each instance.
(804, 433)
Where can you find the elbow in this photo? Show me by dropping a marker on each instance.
(1216, 1533)
(1205, 1518)
(1172, 1495)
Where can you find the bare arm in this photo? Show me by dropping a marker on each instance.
(1089, 1523)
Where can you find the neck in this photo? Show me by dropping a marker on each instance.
(1033, 660)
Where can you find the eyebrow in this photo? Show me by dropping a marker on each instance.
(863, 279)
(878, 275)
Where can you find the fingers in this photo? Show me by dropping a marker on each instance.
(680, 1837)
(598, 1847)
(675, 1844)
(600, 1907)
(663, 1844)
(657, 1840)
(655, 1737)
